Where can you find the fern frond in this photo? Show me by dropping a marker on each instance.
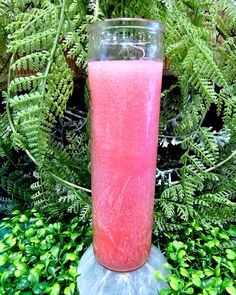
(4, 168)
(21, 84)
(34, 38)
(5, 139)
(229, 11)
(30, 44)
(209, 140)
(78, 202)
(17, 184)
(34, 62)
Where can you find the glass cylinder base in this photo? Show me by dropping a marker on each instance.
(95, 279)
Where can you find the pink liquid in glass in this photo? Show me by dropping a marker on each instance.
(125, 100)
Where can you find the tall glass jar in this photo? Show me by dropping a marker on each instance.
(125, 74)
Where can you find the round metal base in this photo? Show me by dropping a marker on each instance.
(94, 279)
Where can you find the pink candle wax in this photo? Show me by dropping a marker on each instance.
(125, 100)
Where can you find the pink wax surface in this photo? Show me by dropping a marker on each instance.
(125, 102)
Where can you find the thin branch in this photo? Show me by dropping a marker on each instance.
(8, 95)
(3, 68)
(222, 162)
(214, 167)
(69, 183)
(55, 43)
(96, 11)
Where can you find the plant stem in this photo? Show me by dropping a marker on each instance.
(8, 95)
(214, 167)
(55, 43)
(3, 68)
(222, 162)
(96, 9)
(59, 178)
(193, 138)
(69, 183)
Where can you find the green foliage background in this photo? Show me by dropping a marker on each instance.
(40, 36)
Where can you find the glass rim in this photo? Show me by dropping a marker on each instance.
(135, 23)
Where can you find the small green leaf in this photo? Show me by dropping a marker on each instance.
(188, 231)
(11, 270)
(58, 226)
(39, 266)
(55, 251)
(23, 283)
(74, 236)
(184, 264)
(218, 259)
(4, 276)
(189, 291)
(73, 271)
(215, 231)
(74, 225)
(213, 282)
(231, 290)
(173, 256)
(217, 270)
(3, 259)
(55, 289)
(16, 212)
(39, 223)
(52, 270)
(184, 272)
(50, 228)
(232, 231)
(174, 283)
(29, 233)
(70, 289)
(44, 257)
(218, 282)
(202, 253)
(23, 218)
(204, 264)
(16, 229)
(227, 283)
(196, 280)
(21, 269)
(70, 256)
(197, 227)
(230, 254)
(41, 232)
(167, 266)
(68, 246)
(231, 266)
(224, 236)
(178, 245)
(159, 276)
(36, 241)
(3, 247)
(34, 275)
(39, 288)
(19, 273)
(21, 246)
(191, 257)
(11, 241)
(208, 272)
(200, 274)
(181, 254)
(79, 248)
